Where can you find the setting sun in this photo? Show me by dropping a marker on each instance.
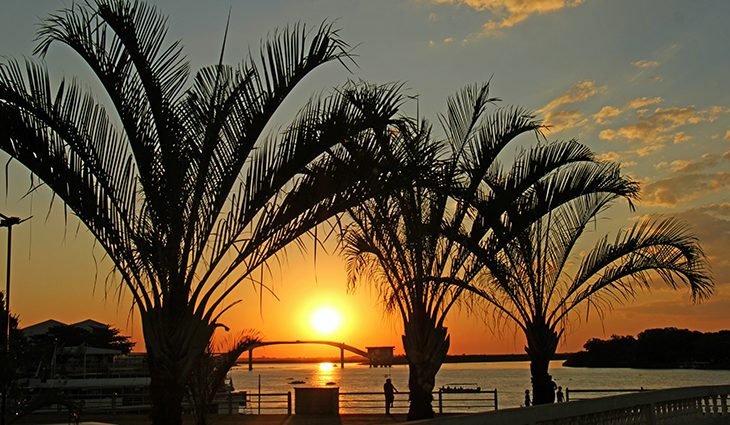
(326, 320)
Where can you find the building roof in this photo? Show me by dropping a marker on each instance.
(41, 328)
(89, 324)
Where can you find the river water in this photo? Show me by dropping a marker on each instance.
(510, 379)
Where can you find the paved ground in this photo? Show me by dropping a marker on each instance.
(224, 420)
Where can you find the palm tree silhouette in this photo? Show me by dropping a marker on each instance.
(399, 242)
(189, 197)
(528, 247)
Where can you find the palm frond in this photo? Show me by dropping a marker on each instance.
(662, 247)
(59, 138)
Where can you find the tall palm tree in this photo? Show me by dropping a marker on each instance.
(528, 251)
(188, 197)
(394, 243)
(398, 242)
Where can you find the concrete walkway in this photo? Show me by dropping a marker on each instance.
(224, 420)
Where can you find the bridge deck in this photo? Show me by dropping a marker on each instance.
(340, 345)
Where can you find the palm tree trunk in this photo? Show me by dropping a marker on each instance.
(542, 341)
(175, 343)
(166, 395)
(426, 346)
(542, 387)
(420, 386)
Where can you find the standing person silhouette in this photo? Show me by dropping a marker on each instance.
(389, 390)
(527, 398)
(559, 395)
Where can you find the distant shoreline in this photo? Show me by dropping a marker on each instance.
(463, 358)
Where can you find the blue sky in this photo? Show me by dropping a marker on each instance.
(644, 82)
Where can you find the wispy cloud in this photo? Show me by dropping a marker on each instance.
(685, 187)
(645, 64)
(558, 114)
(642, 102)
(705, 162)
(608, 112)
(655, 128)
(711, 225)
(511, 12)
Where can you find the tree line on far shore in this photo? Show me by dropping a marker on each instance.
(657, 349)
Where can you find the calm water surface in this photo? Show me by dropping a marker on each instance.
(509, 378)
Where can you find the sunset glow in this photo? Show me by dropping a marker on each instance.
(639, 83)
(326, 320)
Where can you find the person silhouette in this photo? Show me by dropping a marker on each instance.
(560, 395)
(527, 398)
(389, 390)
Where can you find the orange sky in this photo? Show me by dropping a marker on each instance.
(58, 273)
(639, 82)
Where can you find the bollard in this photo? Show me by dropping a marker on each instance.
(288, 403)
(441, 402)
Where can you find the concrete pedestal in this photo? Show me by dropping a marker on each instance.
(317, 400)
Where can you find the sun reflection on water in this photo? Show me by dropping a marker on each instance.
(326, 373)
(326, 367)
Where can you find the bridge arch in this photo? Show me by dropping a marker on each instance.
(341, 345)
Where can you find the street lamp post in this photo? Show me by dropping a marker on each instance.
(8, 222)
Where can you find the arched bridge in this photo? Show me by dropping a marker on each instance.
(341, 345)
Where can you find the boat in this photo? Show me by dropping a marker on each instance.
(469, 387)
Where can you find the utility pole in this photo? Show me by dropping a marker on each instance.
(8, 222)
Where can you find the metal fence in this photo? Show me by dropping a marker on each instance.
(121, 400)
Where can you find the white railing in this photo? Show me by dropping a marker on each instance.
(443, 402)
(678, 406)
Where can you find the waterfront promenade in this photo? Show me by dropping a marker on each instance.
(354, 419)
(675, 406)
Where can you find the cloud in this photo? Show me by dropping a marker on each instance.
(512, 12)
(657, 127)
(705, 162)
(580, 92)
(681, 188)
(560, 118)
(645, 64)
(711, 225)
(642, 102)
(714, 112)
(602, 116)
(608, 156)
(607, 112)
(727, 135)
(681, 137)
